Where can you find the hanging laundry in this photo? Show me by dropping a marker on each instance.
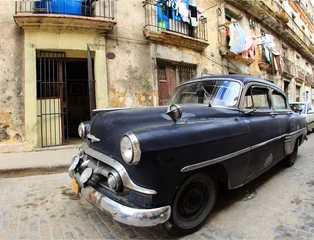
(237, 38)
(250, 52)
(193, 13)
(268, 41)
(276, 67)
(162, 15)
(249, 41)
(183, 10)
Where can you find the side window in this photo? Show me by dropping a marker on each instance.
(257, 97)
(279, 100)
(310, 107)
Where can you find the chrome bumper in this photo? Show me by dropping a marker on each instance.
(124, 214)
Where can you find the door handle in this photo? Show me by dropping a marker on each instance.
(290, 112)
(273, 114)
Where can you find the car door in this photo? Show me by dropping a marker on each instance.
(264, 129)
(310, 113)
(283, 114)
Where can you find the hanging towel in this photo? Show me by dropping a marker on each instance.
(268, 41)
(237, 38)
(249, 41)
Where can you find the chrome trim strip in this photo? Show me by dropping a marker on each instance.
(266, 142)
(127, 182)
(124, 214)
(237, 153)
(215, 160)
(93, 138)
(97, 110)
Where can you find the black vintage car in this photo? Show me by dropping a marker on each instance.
(161, 165)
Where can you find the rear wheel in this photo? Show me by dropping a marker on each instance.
(192, 204)
(290, 159)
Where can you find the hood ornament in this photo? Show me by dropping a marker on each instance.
(174, 111)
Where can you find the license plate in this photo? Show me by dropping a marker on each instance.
(76, 187)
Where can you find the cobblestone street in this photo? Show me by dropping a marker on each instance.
(277, 205)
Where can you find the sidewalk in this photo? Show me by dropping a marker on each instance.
(41, 160)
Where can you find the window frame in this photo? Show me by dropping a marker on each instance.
(284, 98)
(261, 86)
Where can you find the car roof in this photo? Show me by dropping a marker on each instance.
(245, 79)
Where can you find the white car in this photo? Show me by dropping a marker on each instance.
(306, 109)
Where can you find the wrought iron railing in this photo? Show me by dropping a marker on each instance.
(300, 72)
(305, 9)
(288, 66)
(159, 19)
(291, 23)
(88, 8)
(309, 77)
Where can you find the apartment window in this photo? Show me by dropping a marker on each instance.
(297, 94)
(294, 22)
(298, 61)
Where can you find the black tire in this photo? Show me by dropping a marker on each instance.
(290, 159)
(193, 202)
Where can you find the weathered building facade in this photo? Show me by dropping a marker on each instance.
(59, 59)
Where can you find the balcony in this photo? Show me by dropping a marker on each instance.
(161, 27)
(262, 61)
(273, 16)
(300, 73)
(305, 13)
(309, 78)
(287, 68)
(224, 48)
(87, 15)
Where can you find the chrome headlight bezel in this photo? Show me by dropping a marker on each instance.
(135, 148)
(83, 129)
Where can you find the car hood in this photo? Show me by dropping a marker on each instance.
(147, 123)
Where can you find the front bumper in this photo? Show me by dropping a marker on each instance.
(124, 214)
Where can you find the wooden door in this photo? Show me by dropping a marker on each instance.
(166, 83)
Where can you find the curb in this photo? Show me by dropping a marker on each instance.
(31, 171)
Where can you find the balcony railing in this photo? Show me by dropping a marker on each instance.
(300, 73)
(309, 78)
(169, 21)
(262, 61)
(87, 8)
(276, 18)
(292, 24)
(288, 67)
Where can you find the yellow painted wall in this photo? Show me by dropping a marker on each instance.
(73, 43)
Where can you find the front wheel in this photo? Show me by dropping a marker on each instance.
(290, 159)
(192, 204)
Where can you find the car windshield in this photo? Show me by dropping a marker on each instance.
(298, 107)
(209, 93)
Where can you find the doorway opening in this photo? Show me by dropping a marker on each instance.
(78, 96)
(63, 100)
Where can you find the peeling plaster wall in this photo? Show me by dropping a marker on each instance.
(132, 65)
(11, 80)
(130, 74)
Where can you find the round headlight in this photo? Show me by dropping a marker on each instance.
(130, 148)
(126, 149)
(81, 130)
